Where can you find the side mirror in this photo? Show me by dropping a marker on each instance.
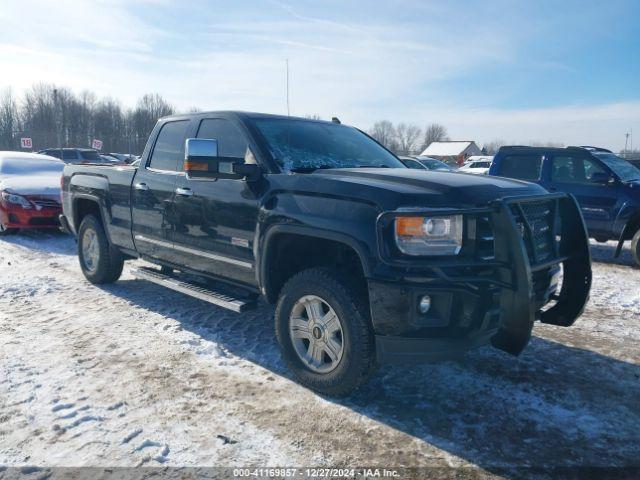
(601, 178)
(201, 162)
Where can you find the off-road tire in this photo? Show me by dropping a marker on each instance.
(110, 262)
(358, 358)
(635, 247)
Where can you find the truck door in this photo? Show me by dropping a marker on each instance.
(572, 173)
(153, 190)
(216, 220)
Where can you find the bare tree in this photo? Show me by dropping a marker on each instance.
(492, 147)
(9, 121)
(385, 133)
(434, 133)
(407, 136)
(142, 119)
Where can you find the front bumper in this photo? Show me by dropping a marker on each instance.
(18, 217)
(479, 298)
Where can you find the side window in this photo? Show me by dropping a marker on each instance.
(567, 169)
(169, 147)
(590, 167)
(523, 167)
(69, 154)
(414, 164)
(231, 141)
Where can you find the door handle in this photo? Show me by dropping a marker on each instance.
(141, 186)
(185, 192)
(552, 189)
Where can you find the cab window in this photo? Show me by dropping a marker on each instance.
(169, 147)
(568, 169)
(231, 141)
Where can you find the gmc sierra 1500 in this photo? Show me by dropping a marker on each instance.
(367, 261)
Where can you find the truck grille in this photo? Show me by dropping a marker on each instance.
(45, 202)
(484, 238)
(535, 221)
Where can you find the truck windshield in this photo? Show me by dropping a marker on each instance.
(620, 166)
(301, 145)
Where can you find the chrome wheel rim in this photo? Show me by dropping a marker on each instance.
(90, 250)
(316, 334)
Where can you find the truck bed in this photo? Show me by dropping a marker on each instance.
(110, 186)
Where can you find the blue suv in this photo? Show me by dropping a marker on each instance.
(606, 186)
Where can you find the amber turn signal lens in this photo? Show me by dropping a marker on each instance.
(196, 166)
(409, 226)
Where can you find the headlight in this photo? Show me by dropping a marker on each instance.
(16, 199)
(432, 235)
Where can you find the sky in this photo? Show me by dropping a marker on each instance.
(516, 71)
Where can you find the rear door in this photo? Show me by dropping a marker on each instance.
(153, 190)
(216, 220)
(572, 173)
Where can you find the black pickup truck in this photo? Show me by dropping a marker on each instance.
(368, 262)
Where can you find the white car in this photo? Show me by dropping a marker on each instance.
(479, 167)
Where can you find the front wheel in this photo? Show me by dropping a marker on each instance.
(635, 247)
(324, 333)
(98, 261)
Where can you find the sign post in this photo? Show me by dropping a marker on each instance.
(26, 142)
(96, 144)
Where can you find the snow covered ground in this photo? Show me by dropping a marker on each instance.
(132, 374)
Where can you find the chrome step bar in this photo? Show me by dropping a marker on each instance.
(203, 293)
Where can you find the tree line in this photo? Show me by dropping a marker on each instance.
(54, 116)
(407, 139)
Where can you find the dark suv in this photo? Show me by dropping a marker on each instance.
(606, 186)
(74, 155)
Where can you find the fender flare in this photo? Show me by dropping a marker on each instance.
(628, 230)
(104, 212)
(267, 241)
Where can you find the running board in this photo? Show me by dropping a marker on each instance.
(197, 291)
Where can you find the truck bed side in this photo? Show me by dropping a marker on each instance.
(104, 191)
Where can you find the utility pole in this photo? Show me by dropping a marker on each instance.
(626, 142)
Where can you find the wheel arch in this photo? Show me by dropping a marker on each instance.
(84, 205)
(285, 251)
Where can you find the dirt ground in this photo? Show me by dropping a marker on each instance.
(132, 374)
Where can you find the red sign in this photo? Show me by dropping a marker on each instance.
(96, 144)
(26, 142)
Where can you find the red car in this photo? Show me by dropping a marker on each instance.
(29, 191)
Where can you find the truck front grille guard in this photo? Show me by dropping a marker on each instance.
(545, 231)
(534, 233)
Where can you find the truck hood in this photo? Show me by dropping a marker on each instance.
(31, 184)
(394, 187)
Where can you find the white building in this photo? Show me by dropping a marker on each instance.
(452, 152)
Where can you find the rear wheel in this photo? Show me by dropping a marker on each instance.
(98, 261)
(324, 333)
(635, 247)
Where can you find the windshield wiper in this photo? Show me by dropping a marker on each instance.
(311, 169)
(324, 167)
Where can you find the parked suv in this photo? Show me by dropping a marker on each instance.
(606, 186)
(74, 155)
(367, 261)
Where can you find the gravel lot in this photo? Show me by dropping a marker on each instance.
(132, 374)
